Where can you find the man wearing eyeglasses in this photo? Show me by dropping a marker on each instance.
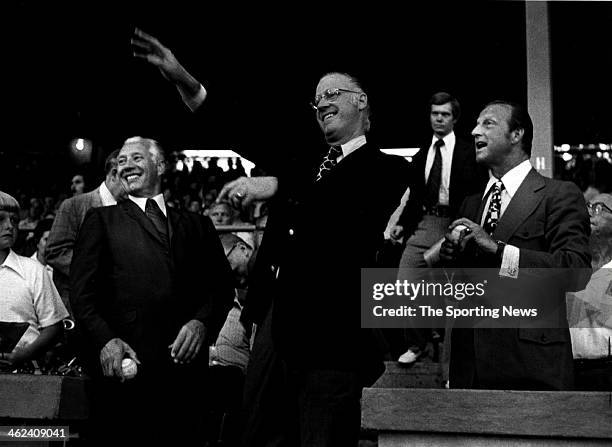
(330, 214)
(590, 310)
(521, 224)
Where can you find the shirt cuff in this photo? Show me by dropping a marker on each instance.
(510, 262)
(193, 102)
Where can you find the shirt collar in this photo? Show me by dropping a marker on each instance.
(12, 261)
(512, 179)
(353, 145)
(449, 139)
(106, 195)
(142, 202)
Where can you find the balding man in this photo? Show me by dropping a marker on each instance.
(150, 284)
(590, 310)
(521, 222)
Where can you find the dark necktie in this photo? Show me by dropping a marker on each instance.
(330, 160)
(160, 223)
(435, 177)
(494, 211)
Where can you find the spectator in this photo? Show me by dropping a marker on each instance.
(222, 213)
(77, 184)
(590, 310)
(195, 206)
(444, 173)
(232, 346)
(34, 214)
(70, 215)
(27, 295)
(41, 235)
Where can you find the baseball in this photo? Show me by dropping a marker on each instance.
(129, 368)
(458, 233)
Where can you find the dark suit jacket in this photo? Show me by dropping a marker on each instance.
(548, 221)
(63, 235)
(125, 284)
(318, 237)
(467, 177)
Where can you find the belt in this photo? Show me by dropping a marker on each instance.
(437, 210)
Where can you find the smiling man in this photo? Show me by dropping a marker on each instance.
(522, 221)
(134, 294)
(310, 357)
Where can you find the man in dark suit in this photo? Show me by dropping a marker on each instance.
(328, 224)
(444, 172)
(70, 215)
(150, 284)
(329, 210)
(523, 221)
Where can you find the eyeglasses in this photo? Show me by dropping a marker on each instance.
(597, 207)
(330, 95)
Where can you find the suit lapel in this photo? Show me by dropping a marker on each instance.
(141, 218)
(524, 202)
(175, 220)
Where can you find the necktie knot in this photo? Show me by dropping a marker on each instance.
(329, 161)
(438, 144)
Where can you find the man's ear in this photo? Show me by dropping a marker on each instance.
(161, 167)
(362, 101)
(516, 135)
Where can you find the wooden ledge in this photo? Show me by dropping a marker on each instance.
(556, 414)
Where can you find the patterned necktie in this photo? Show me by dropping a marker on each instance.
(435, 177)
(494, 211)
(160, 223)
(330, 160)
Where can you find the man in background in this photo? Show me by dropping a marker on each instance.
(444, 172)
(590, 310)
(63, 234)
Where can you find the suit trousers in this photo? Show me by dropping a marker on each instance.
(288, 406)
(429, 231)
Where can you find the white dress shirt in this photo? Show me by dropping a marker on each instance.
(351, 146)
(142, 202)
(447, 159)
(511, 180)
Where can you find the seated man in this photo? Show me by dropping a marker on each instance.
(590, 310)
(232, 346)
(27, 295)
(230, 354)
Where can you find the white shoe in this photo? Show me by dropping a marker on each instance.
(409, 357)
